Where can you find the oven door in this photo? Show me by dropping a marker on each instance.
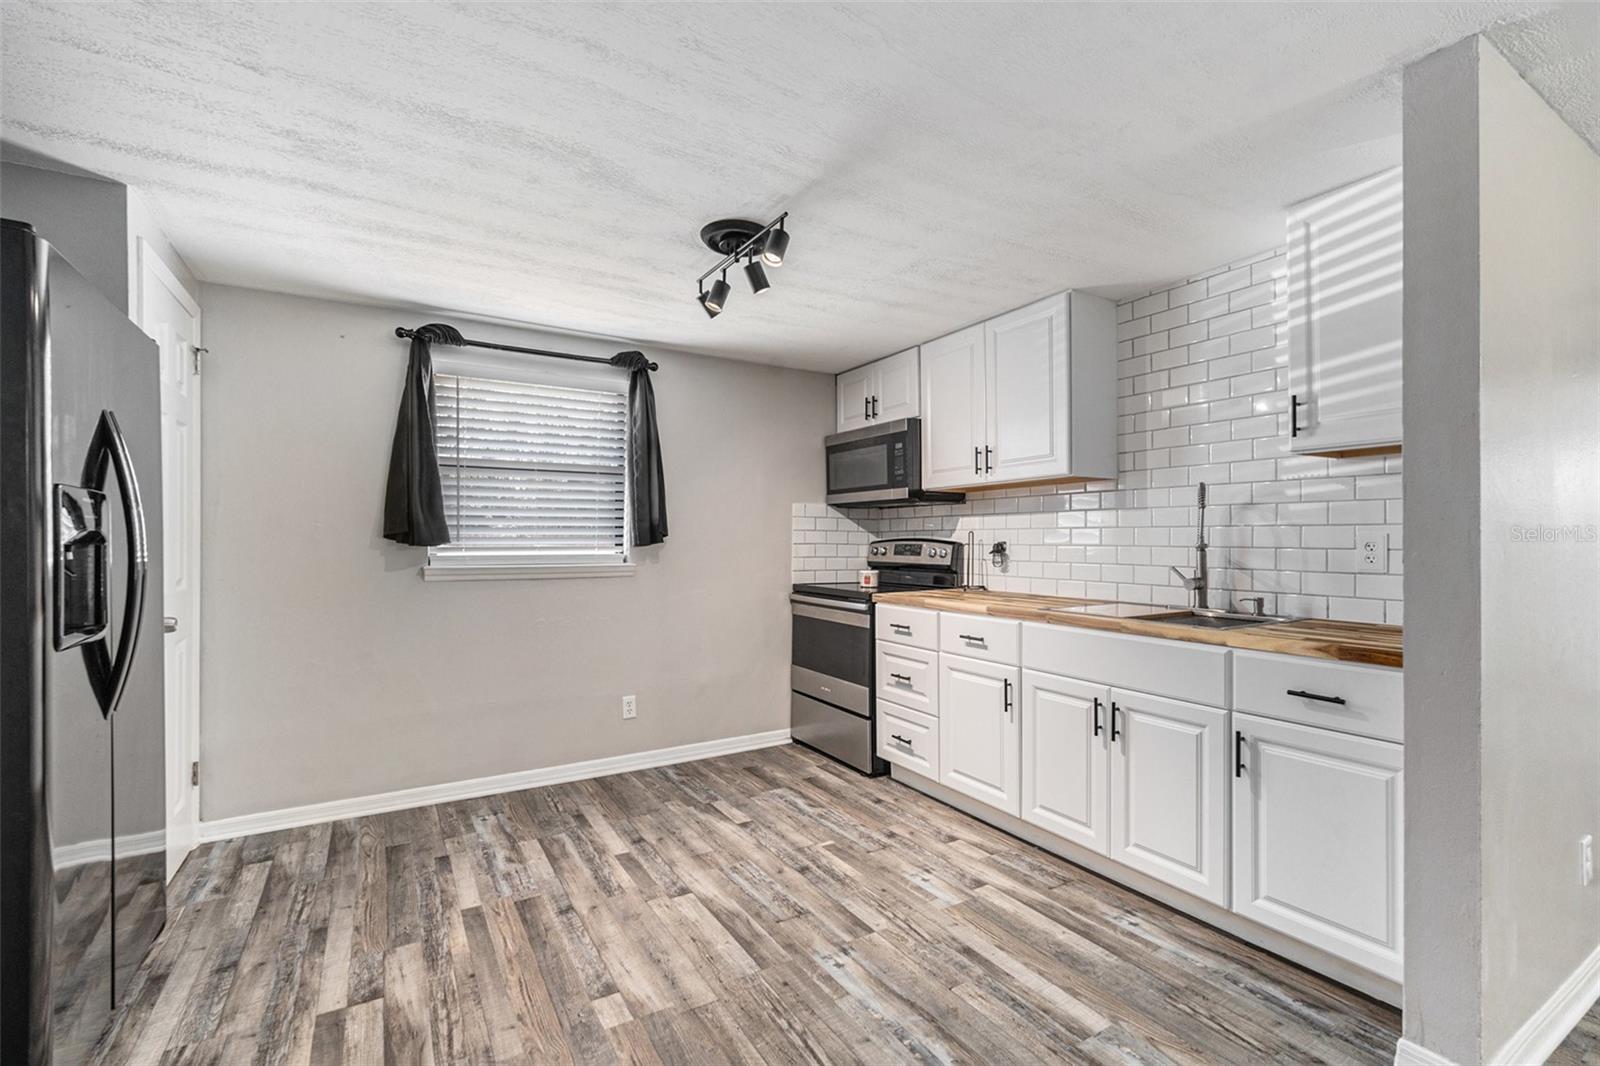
(872, 465)
(832, 657)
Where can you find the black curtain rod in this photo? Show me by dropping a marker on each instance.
(401, 331)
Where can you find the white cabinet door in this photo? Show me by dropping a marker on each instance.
(1065, 755)
(854, 391)
(896, 393)
(1345, 302)
(1317, 848)
(1025, 419)
(953, 410)
(979, 735)
(1169, 795)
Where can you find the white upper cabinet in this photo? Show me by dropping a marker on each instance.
(1027, 396)
(1345, 312)
(1317, 838)
(878, 392)
(953, 409)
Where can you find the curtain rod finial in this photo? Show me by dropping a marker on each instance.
(401, 331)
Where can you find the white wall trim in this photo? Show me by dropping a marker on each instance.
(1408, 1054)
(1548, 1026)
(358, 806)
(69, 855)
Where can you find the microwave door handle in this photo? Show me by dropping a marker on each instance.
(108, 450)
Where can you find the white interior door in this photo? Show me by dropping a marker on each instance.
(170, 315)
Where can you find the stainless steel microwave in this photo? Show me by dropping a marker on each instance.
(879, 465)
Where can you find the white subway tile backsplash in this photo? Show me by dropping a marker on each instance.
(1202, 373)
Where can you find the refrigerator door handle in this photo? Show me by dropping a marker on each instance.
(108, 676)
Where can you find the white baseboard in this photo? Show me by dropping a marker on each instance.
(1548, 1026)
(1408, 1054)
(68, 855)
(383, 802)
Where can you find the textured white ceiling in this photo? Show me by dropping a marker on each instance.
(554, 163)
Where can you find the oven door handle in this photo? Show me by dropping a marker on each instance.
(832, 605)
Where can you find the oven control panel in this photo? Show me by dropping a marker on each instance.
(915, 552)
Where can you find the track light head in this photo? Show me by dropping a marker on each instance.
(775, 246)
(711, 312)
(717, 297)
(757, 275)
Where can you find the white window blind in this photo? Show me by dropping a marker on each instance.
(533, 474)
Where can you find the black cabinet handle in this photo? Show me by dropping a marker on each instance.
(1007, 682)
(866, 407)
(1238, 754)
(974, 640)
(900, 626)
(1313, 696)
(1097, 716)
(901, 739)
(977, 460)
(905, 678)
(1294, 414)
(1113, 720)
(988, 464)
(874, 407)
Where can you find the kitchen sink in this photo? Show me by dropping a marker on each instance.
(1214, 619)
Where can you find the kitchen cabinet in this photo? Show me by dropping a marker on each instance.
(908, 738)
(1065, 757)
(1317, 838)
(1345, 314)
(1028, 396)
(882, 391)
(1169, 795)
(979, 733)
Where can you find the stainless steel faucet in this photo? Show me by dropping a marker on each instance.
(1198, 584)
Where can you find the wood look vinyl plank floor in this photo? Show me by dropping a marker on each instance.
(766, 907)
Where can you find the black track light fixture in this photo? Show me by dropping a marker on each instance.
(757, 275)
(735, 239)
(717, 298)
(774, 247)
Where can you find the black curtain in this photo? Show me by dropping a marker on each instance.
(413, 504)
(646, 486)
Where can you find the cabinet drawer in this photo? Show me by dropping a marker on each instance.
(995, 640)
(915, 626)
(908, 676)
(1184, 671)
(1366, 700)
(908, 738)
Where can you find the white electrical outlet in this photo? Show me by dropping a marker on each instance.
(1372, 556)
(1586, 860)
(630, 707)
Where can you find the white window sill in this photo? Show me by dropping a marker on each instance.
(441, 571)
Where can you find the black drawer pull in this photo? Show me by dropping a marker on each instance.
(903, 678)
(901, 739)
(971, 638)
(1238, 754)
(1097, 716)
(900, 626)
(1113, 720)
(1313, 696)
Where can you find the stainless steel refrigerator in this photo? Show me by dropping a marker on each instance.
(82, 782)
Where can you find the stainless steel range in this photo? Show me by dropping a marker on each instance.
(832, 708)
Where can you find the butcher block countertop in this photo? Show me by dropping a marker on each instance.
(1350, 642)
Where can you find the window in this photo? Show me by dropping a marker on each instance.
(534, 471)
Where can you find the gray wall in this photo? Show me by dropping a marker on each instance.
(86, 219)
(1502, 481)
(332, 670)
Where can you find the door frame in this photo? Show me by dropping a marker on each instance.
(181, 839)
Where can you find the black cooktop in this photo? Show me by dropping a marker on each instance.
(850, 590)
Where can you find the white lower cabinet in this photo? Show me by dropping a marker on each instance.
(908, 738)
(1065, 753)
(1317, 841)
(979, 732)
(1169, 795)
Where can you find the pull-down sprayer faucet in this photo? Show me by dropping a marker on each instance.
(1198, 583)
